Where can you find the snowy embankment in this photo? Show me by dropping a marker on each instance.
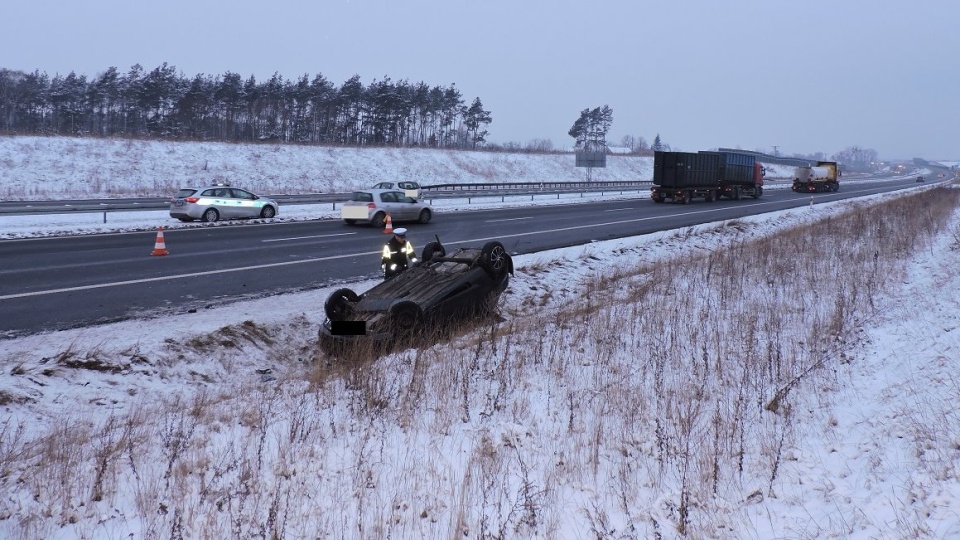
(51, 168)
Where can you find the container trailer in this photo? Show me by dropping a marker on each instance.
(683, 176)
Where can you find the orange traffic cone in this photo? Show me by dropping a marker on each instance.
(389, 227)
(159, 248)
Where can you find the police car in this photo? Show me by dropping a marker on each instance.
(220, 201)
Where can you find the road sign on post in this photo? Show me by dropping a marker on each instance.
(591, 159)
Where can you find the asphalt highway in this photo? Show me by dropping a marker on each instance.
(64, 282)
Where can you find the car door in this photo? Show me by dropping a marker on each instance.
(405, 207)
(389, 201)
(216, 198)
(410, 207)
(244, 204)
(225, 204)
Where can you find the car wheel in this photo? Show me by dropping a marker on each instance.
(211, 215)
(268, 212)
(494, 259)
(431, 250)
(379, 220)
(405, 317)
(425, 216)
(338, 304)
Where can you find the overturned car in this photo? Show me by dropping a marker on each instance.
(425, 298)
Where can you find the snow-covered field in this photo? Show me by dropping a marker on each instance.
(280, 444)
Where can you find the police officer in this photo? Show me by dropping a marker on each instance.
(398, 254)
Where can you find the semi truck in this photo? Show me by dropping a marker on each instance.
(824, 176)
(684, 176)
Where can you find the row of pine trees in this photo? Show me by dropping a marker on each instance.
(163, 103)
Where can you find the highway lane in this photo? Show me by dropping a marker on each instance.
(54, 283)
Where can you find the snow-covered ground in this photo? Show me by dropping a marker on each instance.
(877, 459)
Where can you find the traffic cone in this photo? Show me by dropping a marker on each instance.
(389, 227)
(159, 248)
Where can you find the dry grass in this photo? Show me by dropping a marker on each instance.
(654, 407)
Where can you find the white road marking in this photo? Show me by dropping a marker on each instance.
(306, 237)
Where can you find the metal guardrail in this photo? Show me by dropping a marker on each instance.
(498, 186)
(438, 191)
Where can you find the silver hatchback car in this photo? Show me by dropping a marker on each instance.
(373, 205)
(220, 201)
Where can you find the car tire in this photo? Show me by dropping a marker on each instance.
(431, 250)
(211, 215)
(494, 259)
(405, 317)
(268, 212)
(379, 220)
(338, 304)
(425, 216)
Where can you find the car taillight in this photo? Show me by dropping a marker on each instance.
(192, 199)
(371, 206)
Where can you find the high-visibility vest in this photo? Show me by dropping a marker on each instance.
(406, 249)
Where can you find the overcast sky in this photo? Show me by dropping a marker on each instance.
(804, 76)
